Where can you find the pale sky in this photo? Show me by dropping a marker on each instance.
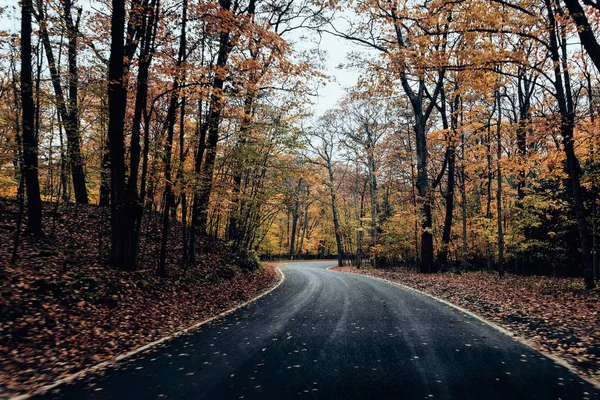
(337, 50)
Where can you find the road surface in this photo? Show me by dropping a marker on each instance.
(324, 334)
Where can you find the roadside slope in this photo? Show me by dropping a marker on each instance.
(63, 310)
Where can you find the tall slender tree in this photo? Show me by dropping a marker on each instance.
(117, 103)
(30, 141)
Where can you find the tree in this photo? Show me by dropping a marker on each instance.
(30, 142)
(392, 30)
(450, 164)
(363, 128)
(326, 140)
(171, 121)
(214, 118)
(563, 93)
(121, 247)
(68, 110)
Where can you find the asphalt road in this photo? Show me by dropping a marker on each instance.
(329, 335)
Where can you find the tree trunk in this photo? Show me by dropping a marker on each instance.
(171, 120)
(117, 103)
(181, 178)
(449, 209)
(499, 184)
(336, 221)
(304, 228)
(585, 31)
(451, 164)
(30, 142)
(295, 217)
(201, 134)
(463, 196)
(360, 233)
(524, 91)
(425, 197)
(373, 195)
(141, 98)
(18, 152)
(488, 204)
(580, 213)
(69, 116)
(76, 158)
(214, 119)
(105, 158)
(64, 192)
(566, 108)
(238, 165)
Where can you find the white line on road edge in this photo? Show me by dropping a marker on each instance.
(560, 361)
(121, 357)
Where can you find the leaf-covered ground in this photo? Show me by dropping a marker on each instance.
(62, 309)
(557, 314)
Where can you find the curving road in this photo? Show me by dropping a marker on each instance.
(329, 335)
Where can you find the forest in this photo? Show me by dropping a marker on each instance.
(467, 143)
(170, 142)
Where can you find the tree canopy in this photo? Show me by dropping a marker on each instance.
(470, 140)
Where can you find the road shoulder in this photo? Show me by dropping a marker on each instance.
(124, 356)
(591, 376)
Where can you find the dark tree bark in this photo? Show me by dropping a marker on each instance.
(117, 103)
(594, 169)
(201, 135)
(421, 115)
(373, 193)
(499, 184)
(488, 203)
(451, 172)
(181, 178)
(360, 233)
(104, 200)
(30, 142)
(141, 99)
(125, 204)
(214, 119)
(135, 201)
(336, 220)
(105, 177)
(449, 209)
(425, 196)
(525, 89)
(567, 113)
(306, 217)
(585, 31)
(413, 195)
(198, 157)
(295, 212)
(463, 200)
